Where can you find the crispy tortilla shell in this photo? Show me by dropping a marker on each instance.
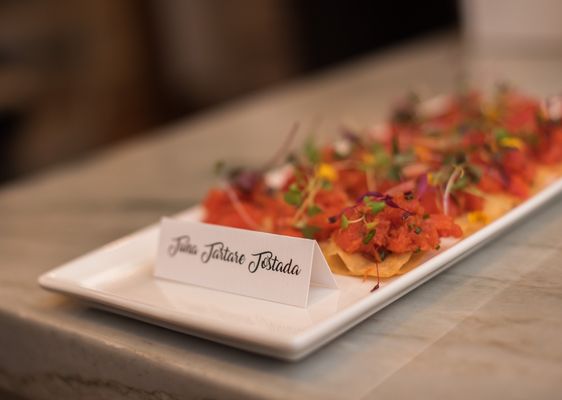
(546, 175)
(344, 263)
(495, 205)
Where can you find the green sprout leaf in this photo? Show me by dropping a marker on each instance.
(326, 185)
(395, 173)
(371, 225)
(219, 167)
(311, 151)
(500, 134)
(395, 145)
(293, 196)
(369, 236)
(313, 210)
(474, 191)
(403, 159)
(382, 159)
(383, 253)
(409, 195)
(461, 183)
(375, 206)
(308, 231)
(474, 171)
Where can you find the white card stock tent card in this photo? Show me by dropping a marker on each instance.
(255, 264)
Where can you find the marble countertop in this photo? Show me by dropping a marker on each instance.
(490, 327)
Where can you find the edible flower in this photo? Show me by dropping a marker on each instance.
(431, 179)
(478, 216)
(423, 153)
(512, 142)
(326, 172)
(369, 159)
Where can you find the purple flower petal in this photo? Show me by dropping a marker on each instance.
(245, 180)
(422, 185)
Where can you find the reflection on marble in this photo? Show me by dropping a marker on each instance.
(488, 327)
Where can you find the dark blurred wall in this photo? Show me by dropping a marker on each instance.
(73, 76)
(332, 31)
(210, 51)
(79, 74)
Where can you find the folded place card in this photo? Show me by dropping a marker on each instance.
(256, 264)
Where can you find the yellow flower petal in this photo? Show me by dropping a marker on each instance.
(478, 216)
(423, 153)
(512, 142)
(326, 172)
(430, 178)
(369, 159)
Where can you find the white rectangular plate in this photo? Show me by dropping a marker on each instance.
(118, 277)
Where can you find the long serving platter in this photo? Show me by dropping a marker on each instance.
(119, 277)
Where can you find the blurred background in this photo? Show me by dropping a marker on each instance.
(77, 75)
